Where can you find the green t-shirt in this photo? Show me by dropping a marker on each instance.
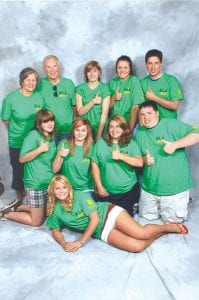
(38, 171)
(132, 95)
(60, 102)
(20, 111)
(170, 174)
(77, 168)
(94, 114)
(166, 87)
(116, 176)
(78, 218)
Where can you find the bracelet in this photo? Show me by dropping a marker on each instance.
(82, 242)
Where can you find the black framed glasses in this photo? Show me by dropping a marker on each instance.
(55, 91)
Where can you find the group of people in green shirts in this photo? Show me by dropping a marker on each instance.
(77, 150)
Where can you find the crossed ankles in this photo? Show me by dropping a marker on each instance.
(12, 206)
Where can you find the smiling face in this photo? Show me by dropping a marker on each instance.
(52, 69)
(115, 131)
(29, 83)
(48, 126)
(80, 133)
(93, 74)
(148, 117)
(153, 66)
(123, 69)
(61, 192)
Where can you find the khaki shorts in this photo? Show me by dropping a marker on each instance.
(172, 208)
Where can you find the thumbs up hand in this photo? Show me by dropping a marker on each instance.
(43, 147)
(97, 99)
(149, 160)
(118, 95)
(64, 151)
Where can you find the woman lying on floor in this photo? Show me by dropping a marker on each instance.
(103, 220)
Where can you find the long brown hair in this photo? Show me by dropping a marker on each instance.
(43, 116)
(88, 141)
(68, 203)
(126, 135)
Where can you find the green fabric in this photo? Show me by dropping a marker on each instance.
(37, 172)
(166, 87)
(116, 176)
(169, 174)
(20, 111)
(94, 114)
(77, 168)
(132, 95)
(61, 106)
(78, 218)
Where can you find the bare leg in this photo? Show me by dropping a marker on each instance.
(20, 195)
(127, 225)
(125, 242)
(23, 207)
(35, 217)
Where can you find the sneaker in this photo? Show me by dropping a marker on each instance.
(12, 206)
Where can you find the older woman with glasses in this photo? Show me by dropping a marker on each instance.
(18, 112)
(59, 95)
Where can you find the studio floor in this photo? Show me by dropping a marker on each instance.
(33, 266)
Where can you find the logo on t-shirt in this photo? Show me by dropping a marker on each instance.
(163, 92)
(159, 140)
(38, 107)
(90, 203)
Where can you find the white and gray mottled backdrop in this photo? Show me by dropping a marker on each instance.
(78, 31)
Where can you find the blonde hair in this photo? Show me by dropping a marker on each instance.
(88, 140)
(67, 203)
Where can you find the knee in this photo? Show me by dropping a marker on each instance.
(137, 247)
(37, 223)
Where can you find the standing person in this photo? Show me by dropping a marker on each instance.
(166, 176)
(114, 159)
(18, 112)
(93, 98)
(105, 221)
(160, 87)
(72, 159)
(37, 153)
(126, 91)
(59, 95)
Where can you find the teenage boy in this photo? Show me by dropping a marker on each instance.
(161, 87)
(166, 178)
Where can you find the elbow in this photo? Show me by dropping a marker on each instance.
(21, 160)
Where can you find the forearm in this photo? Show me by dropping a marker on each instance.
(84, 109)
(57, 163)
(94, 221)
(30, 156)
(58, 237)
(96, 175)
(112, 100)
(134, 161)
(169, 104)
(189, 140)
(133, 117)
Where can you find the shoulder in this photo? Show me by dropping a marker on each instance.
(82, 85)
(66, 80)
(115, 79)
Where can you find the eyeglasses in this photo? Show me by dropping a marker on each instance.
(55, 91)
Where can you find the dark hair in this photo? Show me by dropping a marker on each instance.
(43, 116)
(154, 52)
(126, 135)
(89, 65)
(125, 58)
(25, 73)
(148, 103)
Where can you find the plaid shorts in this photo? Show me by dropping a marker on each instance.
(36, 199)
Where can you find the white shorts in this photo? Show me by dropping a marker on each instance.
(110, 222)
(172, 208)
